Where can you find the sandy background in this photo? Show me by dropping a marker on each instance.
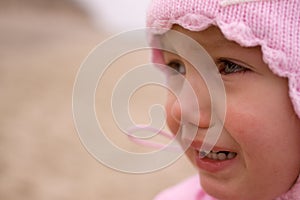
(42, 44)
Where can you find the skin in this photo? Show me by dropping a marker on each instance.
(260, 126)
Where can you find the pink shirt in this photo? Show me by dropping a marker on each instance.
(187, 190)
(190, 189)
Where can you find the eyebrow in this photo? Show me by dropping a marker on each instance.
(216, 43)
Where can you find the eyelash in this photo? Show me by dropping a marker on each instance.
(227, 67)
(177, 67)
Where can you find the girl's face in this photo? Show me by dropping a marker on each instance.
(257, 154)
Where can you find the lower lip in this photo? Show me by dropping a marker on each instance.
(214, 165)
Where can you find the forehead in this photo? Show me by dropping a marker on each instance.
(216, 45)
(211, 39)
(213, 33)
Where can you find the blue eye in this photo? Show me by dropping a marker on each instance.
(177, 66)
(227, 67)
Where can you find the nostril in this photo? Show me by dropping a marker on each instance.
(204, 120)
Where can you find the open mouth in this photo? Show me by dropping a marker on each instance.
(220, 155)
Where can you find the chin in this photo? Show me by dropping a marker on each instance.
(215, 191)
(222, 190)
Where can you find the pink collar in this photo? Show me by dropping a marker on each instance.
(293, 193)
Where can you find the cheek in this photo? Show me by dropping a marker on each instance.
(268, 136)
(255, 128)
(172, 113)
(244, 128)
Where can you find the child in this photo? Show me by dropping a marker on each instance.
(255, 45)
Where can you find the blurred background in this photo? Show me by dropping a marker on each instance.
(42, 45)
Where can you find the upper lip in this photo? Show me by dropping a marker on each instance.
(197, 145)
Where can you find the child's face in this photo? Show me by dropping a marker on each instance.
(261, 128)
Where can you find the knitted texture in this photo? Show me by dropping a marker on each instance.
(272, 24)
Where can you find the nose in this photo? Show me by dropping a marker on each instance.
(193, 104)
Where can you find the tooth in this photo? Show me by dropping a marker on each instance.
(209, 155)
(230, 155)
(221, 156)
(202, 154)
(214, 156)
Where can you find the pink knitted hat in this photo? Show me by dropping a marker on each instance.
(272, 24)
